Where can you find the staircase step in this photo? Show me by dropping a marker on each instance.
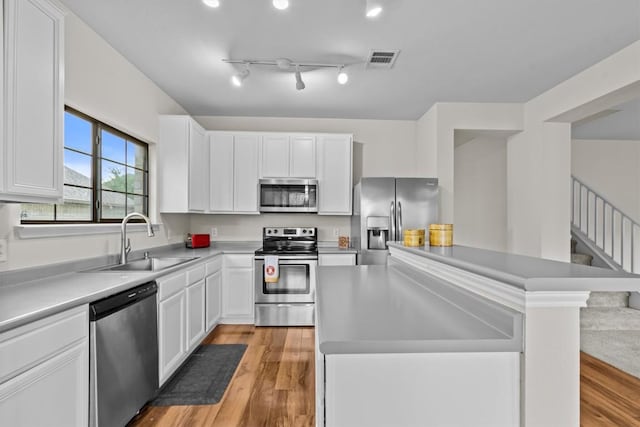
(609, 319)
(581, 259)
(608, 299)
(574, 243)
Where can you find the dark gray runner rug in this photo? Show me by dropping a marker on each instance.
(203, 378)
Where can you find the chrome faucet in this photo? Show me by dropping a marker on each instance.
(125, 244)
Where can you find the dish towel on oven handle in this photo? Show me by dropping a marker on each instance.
(271, 273)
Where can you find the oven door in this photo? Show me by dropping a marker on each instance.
(296, 283)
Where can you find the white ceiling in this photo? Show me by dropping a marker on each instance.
(451, 50)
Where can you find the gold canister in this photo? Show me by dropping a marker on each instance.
(441, 234)
(414, 237)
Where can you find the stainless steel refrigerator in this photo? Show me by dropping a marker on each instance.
(384, 207)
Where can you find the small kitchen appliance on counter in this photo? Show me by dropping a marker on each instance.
(285, 295)
(198, 241)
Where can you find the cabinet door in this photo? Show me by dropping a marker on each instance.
(53, 393)
(221, 181)
(173, 163)
(214, 299)
(195, 314)
(245, 177)
(334, 174)
(237, 293)
(275, 156)
(198, 169)
(302, 157)
(171, 334)
(34, 99)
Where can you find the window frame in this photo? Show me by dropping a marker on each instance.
(96, 171)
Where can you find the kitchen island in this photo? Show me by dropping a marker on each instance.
(549, 294)
(396, 346)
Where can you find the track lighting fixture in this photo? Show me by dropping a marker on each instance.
(374, 8)
(343, 77)
(299, 83)
(211, 3)
(286, 65)
(238, 78)
(281, 4)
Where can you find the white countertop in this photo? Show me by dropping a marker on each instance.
(30, 300)
(396, 309)
(528, 273)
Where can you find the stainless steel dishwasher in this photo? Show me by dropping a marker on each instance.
(123, 355)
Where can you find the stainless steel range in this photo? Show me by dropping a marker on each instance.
(288, 300)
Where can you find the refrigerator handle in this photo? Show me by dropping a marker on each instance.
(392, 221)
(400, 236)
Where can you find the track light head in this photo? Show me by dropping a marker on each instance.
(238, 78)
(374, 8)
(343, 77)
(299, 83)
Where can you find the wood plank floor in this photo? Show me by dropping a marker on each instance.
(608, 396)
(273, 385)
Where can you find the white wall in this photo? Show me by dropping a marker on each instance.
(480, 193)
(539, 158)
(103, 84)
(612, 169)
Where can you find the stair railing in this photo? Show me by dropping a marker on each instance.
(605, 226)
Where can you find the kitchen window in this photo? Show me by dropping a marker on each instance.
(106, 175)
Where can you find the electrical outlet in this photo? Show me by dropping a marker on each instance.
(214, 232)
(3, 250)
(336, 232)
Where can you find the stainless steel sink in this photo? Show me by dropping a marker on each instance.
(148, 264)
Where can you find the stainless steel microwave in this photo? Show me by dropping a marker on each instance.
(288, 195)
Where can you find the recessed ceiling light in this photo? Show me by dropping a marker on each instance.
(374, 8)
(281, 4)
(211, 3)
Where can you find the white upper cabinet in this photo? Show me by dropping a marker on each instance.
(183, 166)
(335, 153)
(221, 184)
(245, 179)
(275, 156)
(234, 172)
(32, 102)
(288, 156)
(198, 169)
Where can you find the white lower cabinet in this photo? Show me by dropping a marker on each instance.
(213, 293)
(181, 318)
(195, 314)
(238, 289)
(44, 374)
(171, 338)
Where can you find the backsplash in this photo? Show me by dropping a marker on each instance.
(249, 227)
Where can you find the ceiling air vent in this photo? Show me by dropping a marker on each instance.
(382, 58)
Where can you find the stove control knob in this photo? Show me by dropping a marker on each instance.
(268, 231)
(304, 231)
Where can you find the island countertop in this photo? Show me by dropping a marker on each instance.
(397, 309)
(525, 272)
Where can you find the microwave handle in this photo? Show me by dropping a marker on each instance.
(306, 196)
